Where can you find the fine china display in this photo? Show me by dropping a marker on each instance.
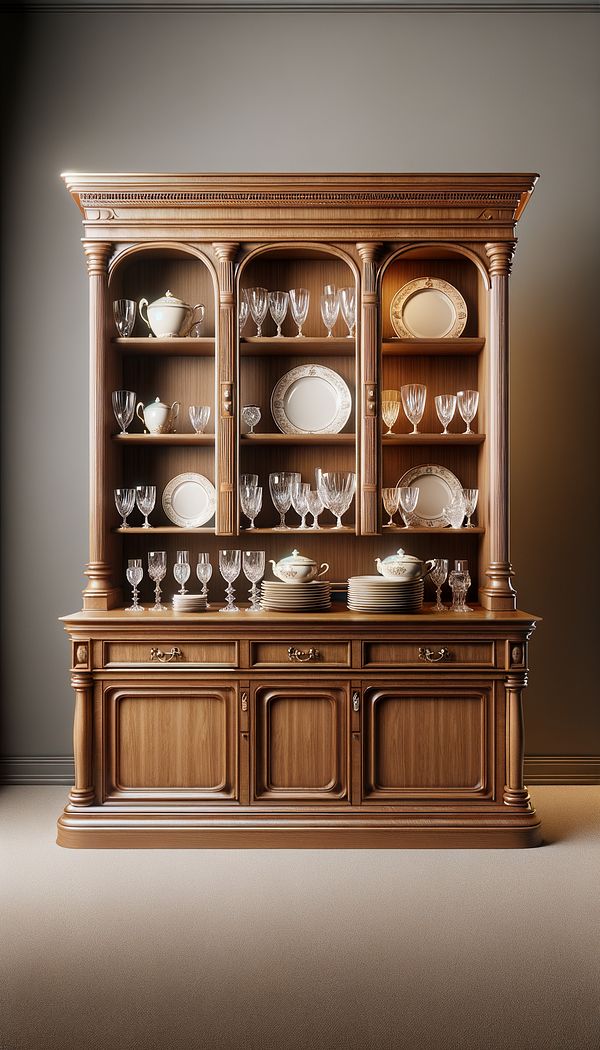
(165, 317)
(297, 569)
(348, 308)
(253, 564)
(134, 575)
(374, 594)
(413, 402)
(330, 308)
(204, 573)
(437, 487)
(258, 301)
(278, 305)
(311, 399)
(390, 408)
(390, 497)
(199, 417)
(314, 596)
(402, 566)
(229, 567)
(181, 570)
(158, 417)
(280, 487)
(315, 506)
(300, 490)
(189, 500)
(454, 513)
(438, 576)
(337, 488)
(408, 496)
(124, 501)
(123, 402)
(470, 497)
(299, 302)
(251, 415)
(445, 406)
(124, 316)
(157, 568)
(460, 581)
(468, 403)
(145, 498)
(188, 603)
(251, 502)
(428, 308)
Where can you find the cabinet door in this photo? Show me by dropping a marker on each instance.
(170, 741)
(428, 741)
(301, 742)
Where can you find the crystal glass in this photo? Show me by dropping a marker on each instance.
(338, 488)
(145, 497)
(438, 576)
(204, 573)
(229, 565)
(391, 499)
(124, 315)
(157, 568)
(460, 581)
(454, 513)
(251, 416)
(445, 406)
(315, 506)
(195, 331)
(278, 306)
(254, 570)
(348, 308)
(258, 301)
(280, 487)
(390, 407)
(413, 401)
(330, 308)
(300, 490)
(123, 402)
(251, 502)
(134, 578)
(408, 496)
(249, 479)
(199, 417)
(299, 302)
(468, 402)
(243, 310)
(181, 570)
(124, 501)
(470, 497)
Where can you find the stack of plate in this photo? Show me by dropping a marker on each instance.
(189, 603)
(378, 595)
(296, 597)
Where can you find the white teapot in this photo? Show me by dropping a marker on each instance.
(297, 569)
(401, 566)
(158, 417)
(166, 316)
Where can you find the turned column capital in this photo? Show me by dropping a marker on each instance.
(81, 680)
(501, 255)
(96, 257)
(368, 251)
(225, 251)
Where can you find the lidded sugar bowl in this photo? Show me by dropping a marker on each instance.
(402, 566)
(166, 316)
(297, 569)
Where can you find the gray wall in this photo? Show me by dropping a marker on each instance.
(304, 92)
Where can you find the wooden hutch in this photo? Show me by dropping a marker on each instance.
(377, 741)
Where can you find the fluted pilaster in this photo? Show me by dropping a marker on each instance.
(369, 251)
(225, 252)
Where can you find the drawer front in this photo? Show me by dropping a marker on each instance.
(168, 653)
(303, 652)
(427, 653)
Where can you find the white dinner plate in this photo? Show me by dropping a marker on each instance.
(437, 488)
(428, 308)
(311, 399)
(189, 500)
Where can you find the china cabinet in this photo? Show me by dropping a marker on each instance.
(329, 728)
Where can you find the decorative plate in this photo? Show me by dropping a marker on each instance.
(189, 500)
(428, 308)
(311, 399)
(437, 487)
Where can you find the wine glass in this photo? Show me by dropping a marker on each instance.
(470, 497)
(445, 406)
(251, 416)
(243, 310)
(145, 497)
(408, 496)
(315, 506)
(348, 308)
(249, 479)
(199, 417)
(330, 308)
(124, 315)
(391, 499)
(251, 502)
(468, 401)
(134, 578)
(124, 501)
(278, 305)
(157, 568)
(299, 302)
(258, 301)
(300, 490)
(254, 570)
(438, 577)
(460, 581)
(338, 488)
(390, 407)
(181, 570)
(280, 487)
(204, 573)
(229, 565)
(413, 401)
(123, 402)
(454, 513)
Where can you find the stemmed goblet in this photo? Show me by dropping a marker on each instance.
(337, 490)
(157, 568)
(470, 497)
(254, 570)
(249, 479)
(454, 513)
(413, 401)
(124, 315)
(181, 570)
(278, 305)
(299, 302)
(300, 490)
(199, 417)
(229, 565)
(438, 577)
(145, 497)
(204, 573)
(251, 416)
(134, 578)
(408, 496)
(243, 310)
(280, 487)
(468, 401)
(315, 506)
(445, 406)
(251, 502)
(330, 308)
(123, 402)
(124, 501)
(348, 308)
(258, 301)
(391, 499)
(390, 407)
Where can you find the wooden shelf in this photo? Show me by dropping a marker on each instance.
(329, 529)
(178, 346)
(432, 347)
(298, 439)
(476, 530)
(165, 530)
(432, 439)
(164, 439)
(304, 346)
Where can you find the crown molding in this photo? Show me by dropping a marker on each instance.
(314, 6)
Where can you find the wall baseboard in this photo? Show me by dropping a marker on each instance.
(36, 769)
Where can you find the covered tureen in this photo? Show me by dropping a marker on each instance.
(298, 569)
(401, 566)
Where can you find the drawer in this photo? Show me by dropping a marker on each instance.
(172, 654)
(427, 653)
(303, 652)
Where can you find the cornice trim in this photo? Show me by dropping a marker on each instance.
(313, 6)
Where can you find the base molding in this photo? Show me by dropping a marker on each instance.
(37, 769)
(562, 769)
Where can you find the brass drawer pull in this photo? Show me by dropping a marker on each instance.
(303, 655)
(432, 657)
(165, 658)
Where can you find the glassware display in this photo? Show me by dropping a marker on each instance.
(280, 487)
(438, 576)
(199, 417)
(254, 569)
(204, 573)
(299, 303)
(195, 331)
(123, 402)
(468, 402)
(330, 308)
(251, 415)
(460, 581)
(315, 506)
(454, 513)
(300, 490)
(249, 479)
(391, 500)
(124, 502)
(445, 406)
(134, 575)
(229, 566)
(124, 315)
(157, 568)
(408, 496)
(145, 497)
(251, 502)
(413, 401)
(181, 570)
(348, 308)
(390, 407)
(258, 301)
(337, 492)
(278, 306)
(470, 497)
(243, 310)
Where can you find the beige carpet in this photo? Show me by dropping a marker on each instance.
(298, 950)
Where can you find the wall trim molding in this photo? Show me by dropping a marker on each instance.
(539, 769)
(315, 6)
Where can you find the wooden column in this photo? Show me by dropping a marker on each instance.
(498, 593)
(515, 793)
(82, 793)
(225, 252)
(100, 592)
(369, 442)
